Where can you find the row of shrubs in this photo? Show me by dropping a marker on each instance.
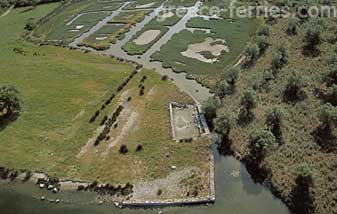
(109, 100)
(24, 3)
(108, 189)
(108, 124)
(141, 86)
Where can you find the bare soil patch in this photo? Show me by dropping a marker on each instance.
(214, 46)
(147, 37)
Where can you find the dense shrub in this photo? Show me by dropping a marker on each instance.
(313, 29)
(248, 101)
(292, 26)
(10, 103)
(274, 120)
(123, 149)
(280, 57)
(222, 89)
(223, 125)
(251, 53)
(263, 30)
(293, 89)
(209, 109)
(262, 43)
(262, 80)
(232, 75)
(260, 142)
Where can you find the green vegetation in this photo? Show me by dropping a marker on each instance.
(62, 89)
(185, 3)
(10, 104)
(157, 23)
(236, 34)
(115, 29)
(294, 80)
(65, 23)
(143, 3)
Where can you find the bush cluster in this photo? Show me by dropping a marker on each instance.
(108, 124)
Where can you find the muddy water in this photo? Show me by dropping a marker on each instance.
(236, 193)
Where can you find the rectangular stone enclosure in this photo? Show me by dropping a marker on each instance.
(187, 122)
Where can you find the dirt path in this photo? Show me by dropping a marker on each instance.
(7, 12)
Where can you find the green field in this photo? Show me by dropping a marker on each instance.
(133, 5)
(126, 20)
(61, 25)
(236, 33)
(176, 3)
(61, 89)
(156, 23)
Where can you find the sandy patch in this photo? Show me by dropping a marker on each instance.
(166, 15)
(145, 5)
(79, 115)
(127, 127)
(147, 37)
(194, 50)
(90, 143)
(170, 186)
(101, 38)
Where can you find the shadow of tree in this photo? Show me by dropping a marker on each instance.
(302, 201)
(224, 146)
(6, 119)
(245, 118)
(325, 138)
(310, 51)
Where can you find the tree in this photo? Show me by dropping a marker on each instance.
(248, 101)
(263, 30)
(302, 200)
(10, 103)
(221, 89)
(209, 109)
(331, 95)
(30, 26)
(260, 142)
(280, 57)
(313, 29)
(306, 173)
(251, 53)
(274, 119)
(123, 149)
(292, 26)
(262, 43)
(293, 90)
(232, 76)
(223, 125)
(328, 116)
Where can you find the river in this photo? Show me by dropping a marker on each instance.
(236, 193)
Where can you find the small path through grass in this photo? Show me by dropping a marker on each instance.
(7, 12)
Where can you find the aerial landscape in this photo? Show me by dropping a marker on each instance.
(168, 106)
